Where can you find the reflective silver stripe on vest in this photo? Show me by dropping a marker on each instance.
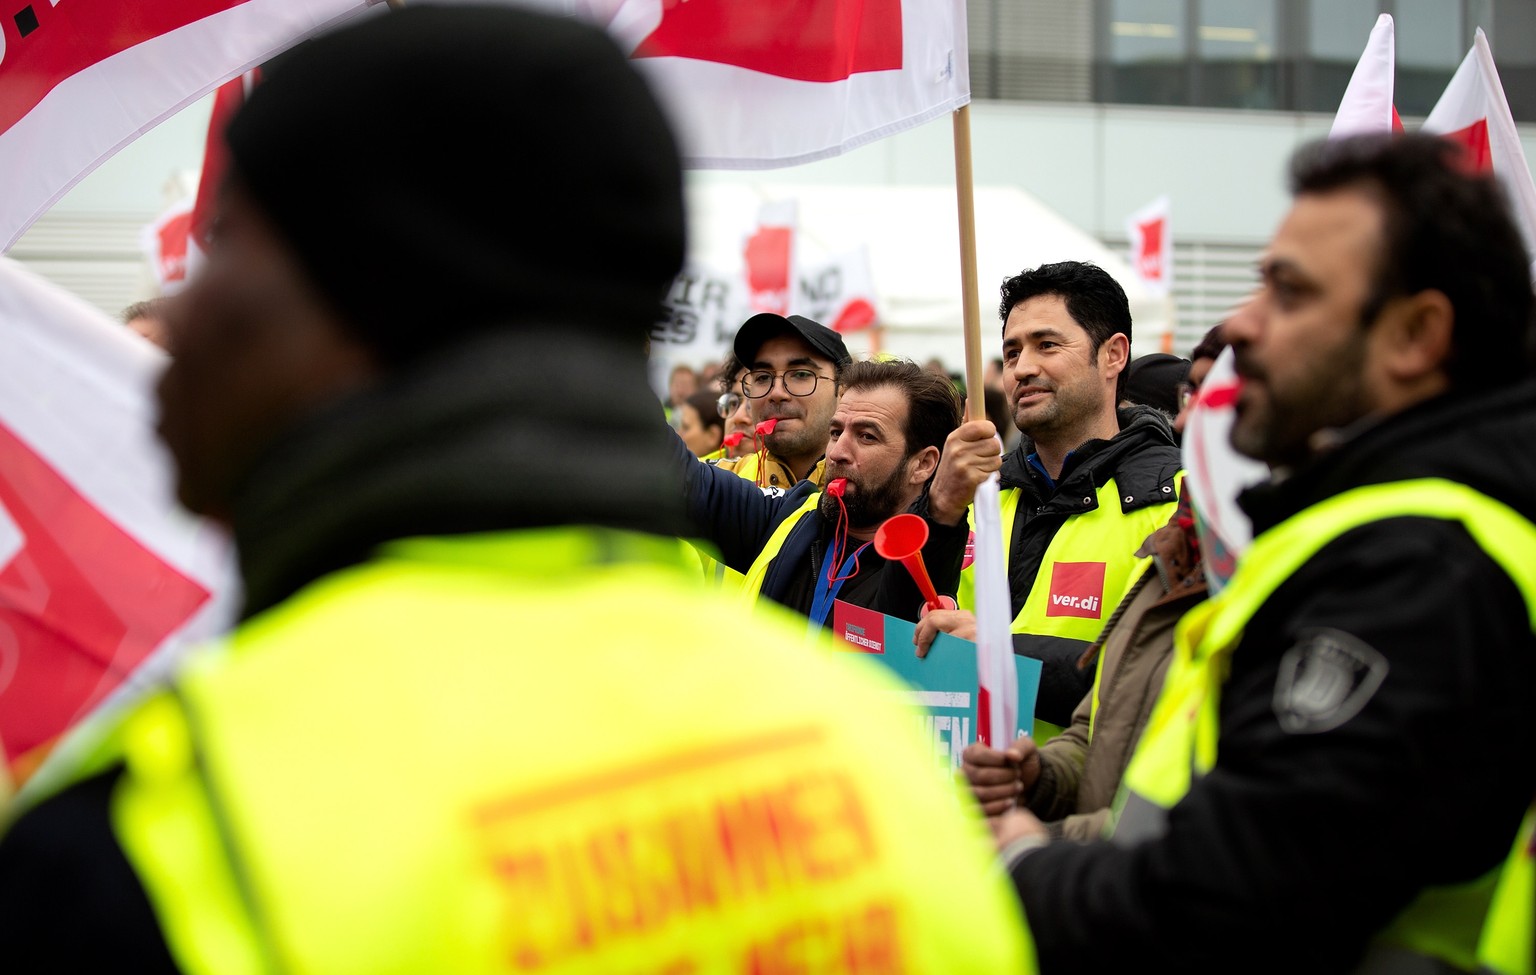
(1140, 820)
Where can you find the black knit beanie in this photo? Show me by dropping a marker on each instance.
(443, 169)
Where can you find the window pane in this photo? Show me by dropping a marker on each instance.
(1338, 29)
(1237, 54)
(1513, 37)
(1429, 48)
(1336, 34)
(1148, 52)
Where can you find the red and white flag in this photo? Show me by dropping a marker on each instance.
(997, 704)
(755, 85)
(1151, 239)
(1215, 473)
(104, 579)
(1474, 112)
(1367, 107)
(164, 242)
(768, 257)
(80, 79)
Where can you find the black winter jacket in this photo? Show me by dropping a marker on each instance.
(738, 517)
(1299, 846)
(1143, 460)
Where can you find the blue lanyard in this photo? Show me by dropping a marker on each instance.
(821, 602)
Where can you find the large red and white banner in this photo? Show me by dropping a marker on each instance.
(80, 79)
(754, 85)
(1367, 106)
(104, 580)
(1474, 112)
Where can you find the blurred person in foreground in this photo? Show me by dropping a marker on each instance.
(1340, 757)
(473, 718)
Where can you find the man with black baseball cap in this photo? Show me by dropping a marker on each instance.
(791, 387)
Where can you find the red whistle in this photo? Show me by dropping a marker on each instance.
(766, 427)
(733, 439)
(838, 485)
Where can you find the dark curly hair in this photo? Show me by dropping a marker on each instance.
(1093, 298)
(1444, 228)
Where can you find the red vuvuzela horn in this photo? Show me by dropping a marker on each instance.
(901, 539)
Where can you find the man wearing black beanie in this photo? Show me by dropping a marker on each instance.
(476, 715)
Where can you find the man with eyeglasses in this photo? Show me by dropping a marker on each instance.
(790, 386)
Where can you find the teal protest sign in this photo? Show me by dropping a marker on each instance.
(943, 683)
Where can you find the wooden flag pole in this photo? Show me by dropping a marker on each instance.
(965, 196)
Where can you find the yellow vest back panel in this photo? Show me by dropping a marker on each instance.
(517, 753)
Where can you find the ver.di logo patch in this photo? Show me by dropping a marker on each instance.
(1077, 589)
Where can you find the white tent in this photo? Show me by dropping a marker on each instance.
(913, 240)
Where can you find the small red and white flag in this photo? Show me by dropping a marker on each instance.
(1474, 112)
(755, 85)
(1367, 107)
(104, 580)
(80, 79)
(164, 242)
(1151, 239)
(768, 257)
(997, 710)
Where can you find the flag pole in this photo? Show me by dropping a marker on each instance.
(965, 195)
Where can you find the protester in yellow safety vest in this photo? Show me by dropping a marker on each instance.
(1085, 486)
(791, 414)
(1071, 780)
(1340, 757)
(806, 548)
(476, 717)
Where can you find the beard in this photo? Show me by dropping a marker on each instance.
(869, 505)
(1275, 423)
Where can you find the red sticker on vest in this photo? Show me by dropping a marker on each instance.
(1077, 589)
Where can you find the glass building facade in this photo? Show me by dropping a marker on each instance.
(1283, 55)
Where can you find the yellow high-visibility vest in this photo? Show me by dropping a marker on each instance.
(1087, 568)
(546, 751)
(1507, 946)
(1180, 740)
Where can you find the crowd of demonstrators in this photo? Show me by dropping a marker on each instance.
(1086, 484)
(1322, 767)
(373, 775)
(895, 428)
(1304, 797)
(1071, 781)
(701, 426)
